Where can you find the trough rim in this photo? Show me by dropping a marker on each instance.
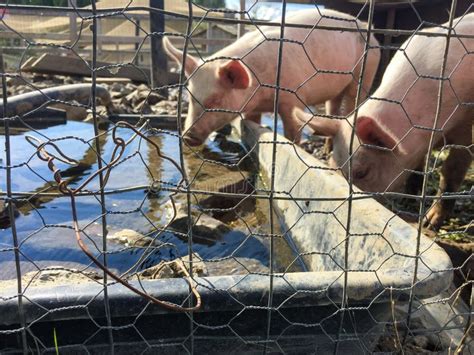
(218, 293)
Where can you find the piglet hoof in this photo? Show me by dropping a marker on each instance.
(435, 217)
(327, 146)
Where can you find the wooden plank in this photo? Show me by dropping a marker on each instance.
(55, 64)
(32, 10)
(27, 63)
(87, 39)
(58, 65)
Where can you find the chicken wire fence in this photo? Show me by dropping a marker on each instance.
(128, 228)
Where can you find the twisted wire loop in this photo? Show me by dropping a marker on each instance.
(119, 148)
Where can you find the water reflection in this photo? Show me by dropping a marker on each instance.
(44, 224)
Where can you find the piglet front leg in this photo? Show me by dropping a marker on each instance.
(291, 127)
(453, 171)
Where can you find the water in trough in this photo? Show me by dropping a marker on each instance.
(44, 224)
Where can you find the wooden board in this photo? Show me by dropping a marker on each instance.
(55, 64)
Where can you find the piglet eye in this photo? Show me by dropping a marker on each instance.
(360, 173)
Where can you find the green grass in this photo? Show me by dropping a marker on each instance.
(55, 341)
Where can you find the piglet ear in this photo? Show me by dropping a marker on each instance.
(234, 74)
(370, 132)
(320, 126)
(177, 55)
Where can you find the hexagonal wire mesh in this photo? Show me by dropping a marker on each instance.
(128, 228)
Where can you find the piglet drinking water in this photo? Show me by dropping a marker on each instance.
(323, 67)
(394, 126)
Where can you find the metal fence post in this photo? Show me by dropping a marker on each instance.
(159, 62)
(73, 21)
(240, 26)
(138, 58)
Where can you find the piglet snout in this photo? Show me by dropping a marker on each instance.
(192, 136)
(192, 140)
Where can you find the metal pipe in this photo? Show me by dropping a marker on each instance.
(24, 103)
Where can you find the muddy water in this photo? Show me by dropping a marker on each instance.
(44, 224)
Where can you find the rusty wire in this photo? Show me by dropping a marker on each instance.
(63, 187)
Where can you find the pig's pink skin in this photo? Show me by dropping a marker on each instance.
(328, 50)
(402, 124)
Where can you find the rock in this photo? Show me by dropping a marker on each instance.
(206, 230)
(173, 94)
(128, 88)
(38, 78)
(174, 269)
(160, 111)
(116, 94)
(57, 80)
(131, 238)
(143, 87)
(101, 114)
(131, 98)
(154, 98)
(315, 145)
(5, 221)
(69, 80)
(15, 81)
(21, 89)
(76, 113)
(143, 108)
(167, 106)
(118, 108)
